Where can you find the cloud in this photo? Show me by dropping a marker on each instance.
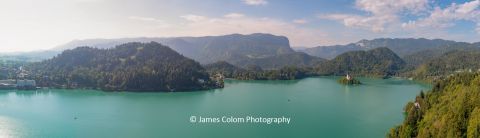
(468, 7)
(193, 18)
(380, 13)
(255, 2)
(391, 7)
(150, 19)
(158, 23)
(300, 21)
(478, 28)
(373, 23)
(444, 18)
(234, 15)
(385, 15)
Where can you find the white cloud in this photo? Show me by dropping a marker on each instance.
(193, 18)
(255, 2)
(385, 15)
(380, 13)
(150, 19)
(300, 21)
(159, 23)
(234, 15)
(382, 7)
(468, 7)
(443, 18)
(478, 28)
(373, 23)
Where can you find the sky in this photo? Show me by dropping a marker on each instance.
(29, 25)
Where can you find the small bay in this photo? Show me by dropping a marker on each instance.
(317, 107)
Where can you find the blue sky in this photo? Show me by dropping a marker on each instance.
(42, 24)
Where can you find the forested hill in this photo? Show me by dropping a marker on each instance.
(451, 62)
(376, 62)
(450, 109)
(421, 57)
(127, 67)
(257, 73)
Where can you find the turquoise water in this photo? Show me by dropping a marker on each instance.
(317, 107)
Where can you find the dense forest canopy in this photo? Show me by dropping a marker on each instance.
(450, 109)
(418, 58)
(253, 72)
(448, 63)
(128, 67)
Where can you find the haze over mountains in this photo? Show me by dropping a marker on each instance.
(260, 45)
(401, 46)
(272, 52)
(265, 50)
(265, 56)
(233, 48)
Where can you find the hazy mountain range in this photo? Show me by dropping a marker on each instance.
(401, 46)
(241, 50)
(232, 48)
(270, 51)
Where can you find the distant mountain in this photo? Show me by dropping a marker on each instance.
(401, 46)
(476, 44)
(299, 48)
(127, 67)
(330, 52)
(448, 63)
(421, 57)
(209, 49)
(377, 62)
(33, 56)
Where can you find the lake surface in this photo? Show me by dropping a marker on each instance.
(317, 107)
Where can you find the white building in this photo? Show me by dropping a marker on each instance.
(348, 77)
(26, 83)
(8, 82)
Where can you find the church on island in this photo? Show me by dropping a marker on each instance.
(349, 80)
(348, 77)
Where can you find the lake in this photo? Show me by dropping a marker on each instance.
(317, 107)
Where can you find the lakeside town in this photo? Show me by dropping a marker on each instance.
(13, 77)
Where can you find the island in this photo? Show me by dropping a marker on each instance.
(349, 80)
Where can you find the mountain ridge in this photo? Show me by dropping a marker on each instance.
(401, 46)
(241, 50)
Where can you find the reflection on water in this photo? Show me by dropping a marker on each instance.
(8, 128)
(319, 107)
(270, 82)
